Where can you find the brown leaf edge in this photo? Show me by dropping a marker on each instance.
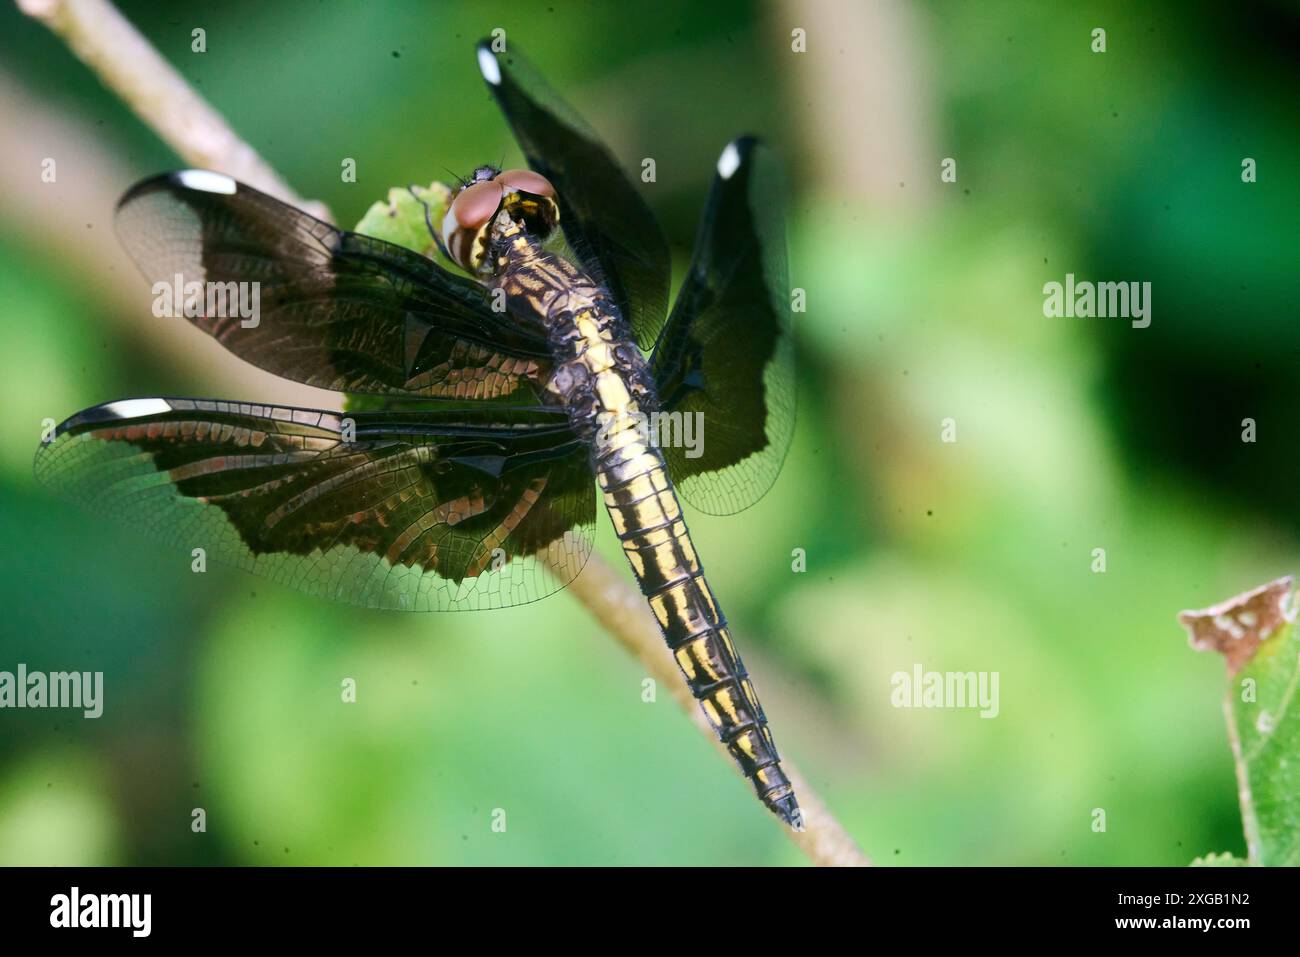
(1236, 627)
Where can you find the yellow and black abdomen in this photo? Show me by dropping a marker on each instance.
(600, 377)
(649, 523)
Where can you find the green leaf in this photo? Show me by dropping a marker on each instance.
(1220, 860)
(402, 219)
(1255, 632)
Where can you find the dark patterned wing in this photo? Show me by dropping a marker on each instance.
(605, 221)
(299, 298)
(456, 509)
(726, 355)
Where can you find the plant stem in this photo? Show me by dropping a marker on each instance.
(129, 65)
(1249, 821)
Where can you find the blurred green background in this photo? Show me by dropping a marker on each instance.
(924, 303)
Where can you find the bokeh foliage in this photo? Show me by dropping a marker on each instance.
(223, 691)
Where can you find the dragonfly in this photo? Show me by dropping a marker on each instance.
(504, 380)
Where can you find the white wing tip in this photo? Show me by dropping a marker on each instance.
(729, 161)
(207, 181)
(488, 66)
(131, 408)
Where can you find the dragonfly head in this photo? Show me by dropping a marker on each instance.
(526, 198)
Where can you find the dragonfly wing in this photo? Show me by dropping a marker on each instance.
(454, 509)
(334, 309)
(605, 221)
(725, 356)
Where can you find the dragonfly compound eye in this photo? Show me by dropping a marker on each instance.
(465, 227)
(525, 180)
(530, 200)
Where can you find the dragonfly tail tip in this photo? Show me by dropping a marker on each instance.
(787, 809)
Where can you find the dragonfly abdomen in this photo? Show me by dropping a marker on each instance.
(602, 380)
(649, 523)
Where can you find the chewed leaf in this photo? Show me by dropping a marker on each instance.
(404, 219)
(1220, 860)
(1256, 633)
(1236, 627)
